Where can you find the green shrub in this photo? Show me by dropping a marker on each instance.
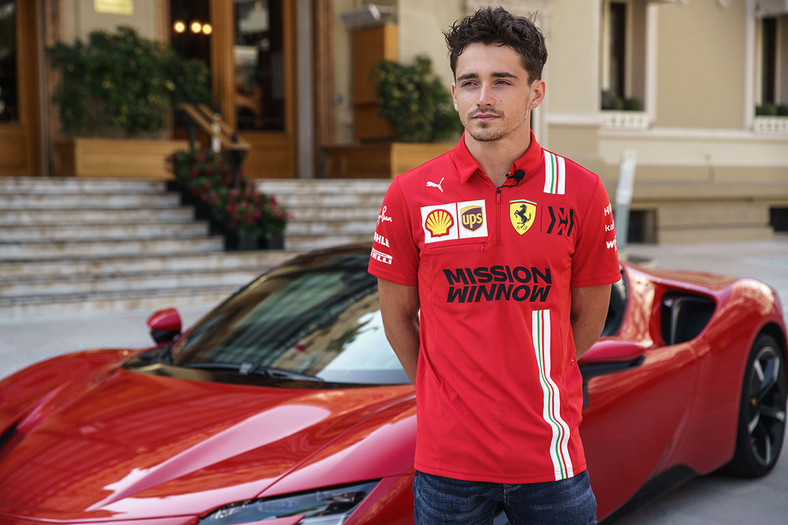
(122, 84)
(415, 101)
(766, 110)
(633, 104)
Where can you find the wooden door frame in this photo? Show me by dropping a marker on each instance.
(273, 154)
(24, 136)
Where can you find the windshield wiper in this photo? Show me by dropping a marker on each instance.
(254, 368)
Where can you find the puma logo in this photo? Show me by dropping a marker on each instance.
(431, 184)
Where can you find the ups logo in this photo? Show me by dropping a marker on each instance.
(472, 218)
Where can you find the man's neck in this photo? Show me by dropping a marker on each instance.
(496, 157)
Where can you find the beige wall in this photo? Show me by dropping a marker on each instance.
(80, 18)
(700, 65)
(572, 69)
(421, 26)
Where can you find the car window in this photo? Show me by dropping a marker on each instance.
(320, 318)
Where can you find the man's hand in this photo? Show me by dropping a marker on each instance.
(399, 307)
(589, 310)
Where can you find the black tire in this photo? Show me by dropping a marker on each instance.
(761, 426)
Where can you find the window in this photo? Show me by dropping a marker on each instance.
(623, 55)
(768, 60)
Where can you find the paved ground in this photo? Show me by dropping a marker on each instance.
(712, 500)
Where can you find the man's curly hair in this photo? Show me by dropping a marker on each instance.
(497, 26)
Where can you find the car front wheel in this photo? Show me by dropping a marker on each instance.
(761, 426)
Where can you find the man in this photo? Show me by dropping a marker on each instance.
(494, 263)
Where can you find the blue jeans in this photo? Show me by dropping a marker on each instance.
(441, 501)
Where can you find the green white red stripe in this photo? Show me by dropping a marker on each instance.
(554, 173)
(551, 411)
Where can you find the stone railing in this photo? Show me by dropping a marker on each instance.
(624, 120)
(771, 125)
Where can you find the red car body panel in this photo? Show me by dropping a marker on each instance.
(94, 442)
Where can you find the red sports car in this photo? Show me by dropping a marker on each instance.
(286, 404)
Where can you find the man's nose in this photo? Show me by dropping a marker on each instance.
(486, 96)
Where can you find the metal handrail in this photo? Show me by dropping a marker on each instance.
(212, 124)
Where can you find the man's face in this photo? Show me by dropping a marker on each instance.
(491, 93)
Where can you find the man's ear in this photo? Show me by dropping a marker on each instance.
(454, 98)
(538, 89)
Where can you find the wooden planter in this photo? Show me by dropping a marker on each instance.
(115, 158)
(380, 161)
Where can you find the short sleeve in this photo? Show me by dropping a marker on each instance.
(595, 260)
(394, 256)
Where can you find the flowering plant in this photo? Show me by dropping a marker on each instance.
(244, 209)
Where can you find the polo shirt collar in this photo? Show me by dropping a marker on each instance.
(466, 165)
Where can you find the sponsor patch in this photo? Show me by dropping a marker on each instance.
(382, 217)
(380, 239)
(455, 220)
(382, 257)
(522, 214)
(439, 222)
(562, 220)
(472, 218)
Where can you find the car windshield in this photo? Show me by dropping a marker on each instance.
(317, 316)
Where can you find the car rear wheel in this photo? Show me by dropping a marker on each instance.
(761, 425)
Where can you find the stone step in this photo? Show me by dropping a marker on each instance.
(93, 201)
(281, 187)
(63, 249)
(147, 300)
(11, 290)
(733, 214)
(102, 232)
(314, 242)
(62, 185)
(305, 200)
(692, 191)
(349, 213)
(97, 215)
(32, 270)
(687, 235)
(330, 227)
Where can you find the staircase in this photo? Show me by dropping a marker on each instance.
(78, 246)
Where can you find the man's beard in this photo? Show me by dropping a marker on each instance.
(484, 132)
(490, 136)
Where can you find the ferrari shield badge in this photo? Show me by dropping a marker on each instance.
(522, 213)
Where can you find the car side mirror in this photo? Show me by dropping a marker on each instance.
(165, 325)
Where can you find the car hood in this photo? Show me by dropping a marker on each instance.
(132, 445)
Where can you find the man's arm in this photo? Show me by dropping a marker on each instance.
(589, 310)
(399, 307)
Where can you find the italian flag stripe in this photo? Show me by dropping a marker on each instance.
(554, 174)
(551, 411)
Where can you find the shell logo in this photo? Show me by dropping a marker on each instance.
(439, 222)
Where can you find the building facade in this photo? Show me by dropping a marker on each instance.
(695, 91)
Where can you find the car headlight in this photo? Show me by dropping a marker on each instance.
(324, 507)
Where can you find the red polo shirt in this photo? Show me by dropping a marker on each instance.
(499, 393)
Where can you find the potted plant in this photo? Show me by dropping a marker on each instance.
(115, 98)
(420, 110)
(415, 101)
(248, 218)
